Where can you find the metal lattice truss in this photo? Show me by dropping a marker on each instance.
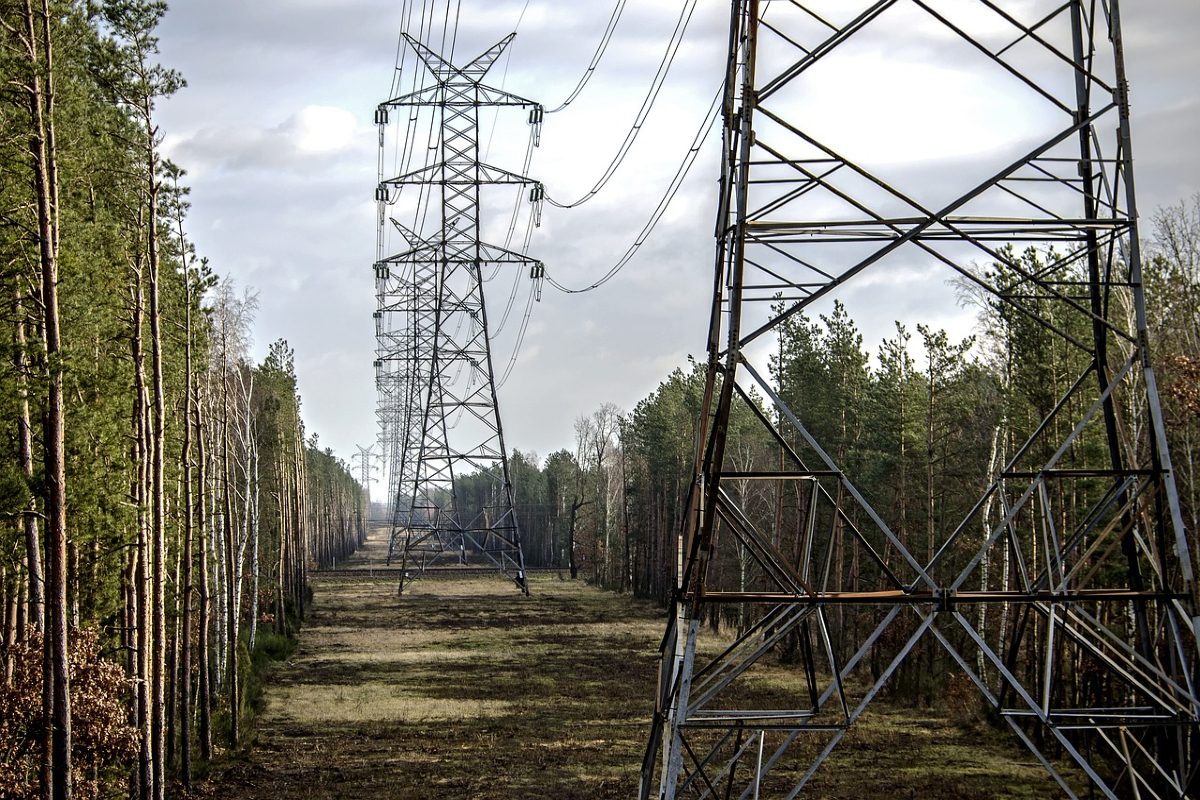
(1065, 595)
(437, 410)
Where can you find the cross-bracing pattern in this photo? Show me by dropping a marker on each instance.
(1065, 595)
(448, 468)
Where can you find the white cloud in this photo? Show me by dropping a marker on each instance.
(320, 129)
(305, 140)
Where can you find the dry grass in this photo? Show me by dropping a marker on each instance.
(467, 689)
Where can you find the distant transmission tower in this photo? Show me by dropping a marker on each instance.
(1066, 595)
(448, 469)
(366, 467)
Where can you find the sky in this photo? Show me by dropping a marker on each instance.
(275, 130)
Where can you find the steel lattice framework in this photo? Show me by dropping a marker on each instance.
(437, 409)
(1066, 594)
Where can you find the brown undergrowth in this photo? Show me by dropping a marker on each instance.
(464, 688)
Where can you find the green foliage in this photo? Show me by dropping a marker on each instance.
(122, 58)
(15, 490)
(270, 647)
(338, 513)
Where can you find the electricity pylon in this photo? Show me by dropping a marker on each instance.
(451, 493)
(366, 467)
(1066, 594)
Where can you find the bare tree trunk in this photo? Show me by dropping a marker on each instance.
(216, 546)
(575, 506)
(172, 673)
(284, 536)
(189, 516)
(254, 554)
(29, 521)
(231, 574)
(143, 456)
(301, 528)
(249, 448)
(56, 671)
(20, 620)
(72, 585)
(204, 692)
(145, 610)
(11, 603)
(996, 460)
(128, 628)
(158, 645)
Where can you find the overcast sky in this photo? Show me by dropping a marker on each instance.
(275, 130)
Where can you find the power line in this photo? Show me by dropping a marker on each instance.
(647, 105)
(680, 174)
(406, 149)
(512, 360)
(664, 67)
(600, 49)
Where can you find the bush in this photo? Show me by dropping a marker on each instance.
(102, 741)
(271, 646)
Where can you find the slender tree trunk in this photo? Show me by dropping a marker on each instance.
(172, 673)
(72, 585)
(930, 483)
(12, 601)
(157, 447)
(56, 671)
(284, 535)
(189, 516)
(29, 520)
(20, 619)
(231, 572)
(254, 555)
(143, 457)
(301, 527)
(129, 627)
(249, 447)
(203, 667)
(575, 506)
(216, 544)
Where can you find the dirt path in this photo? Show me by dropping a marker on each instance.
(466, 689)
(463, 688)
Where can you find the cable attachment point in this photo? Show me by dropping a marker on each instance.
(537, 193)
(536, 273)
(536, 116)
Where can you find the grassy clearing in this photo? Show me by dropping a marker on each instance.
(466, 689)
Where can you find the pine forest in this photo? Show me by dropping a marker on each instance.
(162, 501)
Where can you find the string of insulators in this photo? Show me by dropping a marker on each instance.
(537, 193)
(536, 115)
(536, 273)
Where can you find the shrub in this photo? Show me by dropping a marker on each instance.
(103, 743)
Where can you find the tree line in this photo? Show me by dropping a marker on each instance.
(922, 424)
(161, 504)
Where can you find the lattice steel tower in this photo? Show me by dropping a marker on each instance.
(1066, 594)
(440, 422)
